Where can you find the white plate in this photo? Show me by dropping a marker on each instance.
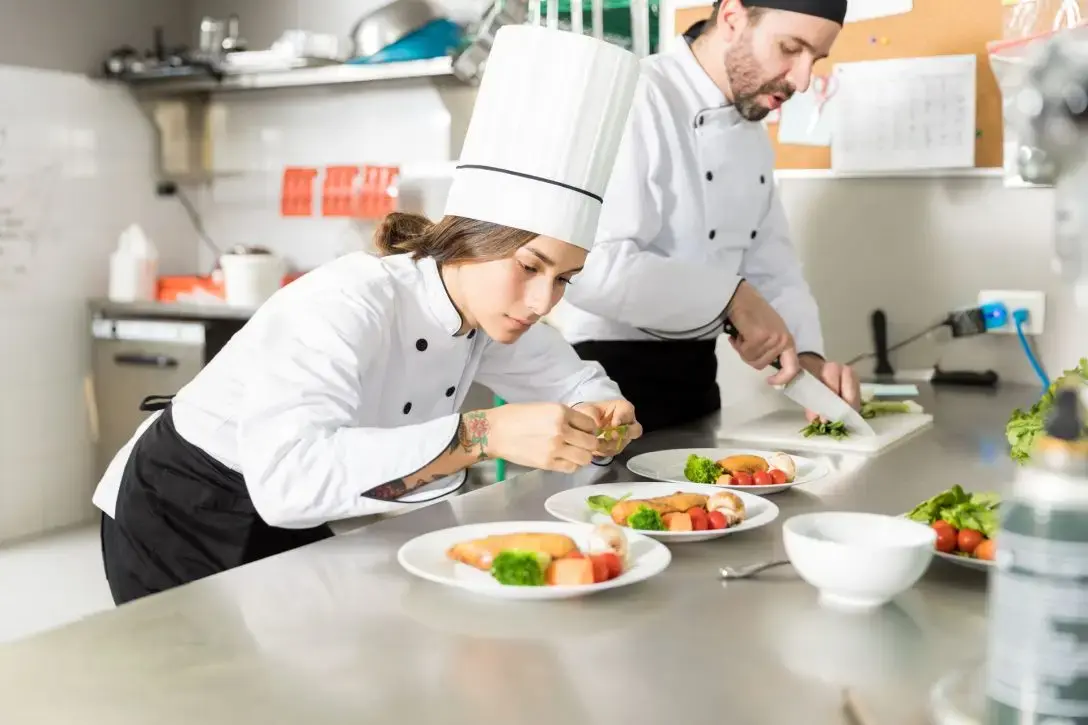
(425, 556)
(570, 505)
(669, 466)
(979, 564)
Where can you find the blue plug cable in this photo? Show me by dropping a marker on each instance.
(1019, 317)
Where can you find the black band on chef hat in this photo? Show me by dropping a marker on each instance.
(833, 10)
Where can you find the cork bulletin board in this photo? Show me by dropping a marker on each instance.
(934, 27)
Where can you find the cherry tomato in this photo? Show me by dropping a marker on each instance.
(698, 519)
(946, 539)
(968, 540)
(716, 520)
(612, 563)
(762, 478)
(942, 524)
(740, 478)
(778, 476)
(985, 550)
(600, 568)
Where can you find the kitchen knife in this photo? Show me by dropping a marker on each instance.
(810, 393)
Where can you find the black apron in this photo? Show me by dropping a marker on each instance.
(670, 382)
(181, 515)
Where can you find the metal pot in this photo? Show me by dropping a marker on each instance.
(390, 23)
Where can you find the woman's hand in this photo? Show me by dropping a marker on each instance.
(538, 435)
(610, 413)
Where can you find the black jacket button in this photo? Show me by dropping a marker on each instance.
(710, 176)
(700, 120)
(421, 344)
(449, 391)
(753, 234)
(712, 233)
(762, 179)
(408, 407)
(472, 333)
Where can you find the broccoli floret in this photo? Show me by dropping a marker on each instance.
(701, 470)
(520, 568)
(646, 519)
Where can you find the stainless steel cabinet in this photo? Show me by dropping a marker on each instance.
(131, 360)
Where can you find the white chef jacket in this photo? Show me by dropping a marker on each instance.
(351, 377)
(691, 209)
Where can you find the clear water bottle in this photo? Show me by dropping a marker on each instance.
(1037, 648)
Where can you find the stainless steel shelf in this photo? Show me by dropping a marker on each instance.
(328, 75)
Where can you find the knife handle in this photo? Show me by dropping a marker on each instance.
(731, 330)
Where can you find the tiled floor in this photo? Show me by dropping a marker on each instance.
(51, 581)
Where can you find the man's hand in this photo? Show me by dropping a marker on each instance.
(609, 413)
(762, 335)
(840, 378)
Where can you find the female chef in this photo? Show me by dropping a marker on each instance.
(340, 397)
(692, 231)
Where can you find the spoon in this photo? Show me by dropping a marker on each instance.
(744, 572)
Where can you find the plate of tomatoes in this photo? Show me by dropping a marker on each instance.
(966, 525)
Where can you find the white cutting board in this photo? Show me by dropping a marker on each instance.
(782, 429)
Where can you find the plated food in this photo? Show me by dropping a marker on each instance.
(534, 559)
(966, 524)
(685, 512)
(759, 472)
(742, 469)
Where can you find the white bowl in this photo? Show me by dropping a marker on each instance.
(858, 561)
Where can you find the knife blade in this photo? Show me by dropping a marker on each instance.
(810, 393)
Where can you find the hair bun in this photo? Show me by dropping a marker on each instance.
(398, 230)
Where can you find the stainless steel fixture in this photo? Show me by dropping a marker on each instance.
(381, 28)
(132, 359)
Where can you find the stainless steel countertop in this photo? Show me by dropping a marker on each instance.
(338, 633)
(168, 310)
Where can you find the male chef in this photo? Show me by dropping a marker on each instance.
(692, 232)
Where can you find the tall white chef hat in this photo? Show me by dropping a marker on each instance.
(545, 129)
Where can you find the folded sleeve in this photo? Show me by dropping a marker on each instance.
(772, 267)
(624, 278)
(304, 460)
(542, 366)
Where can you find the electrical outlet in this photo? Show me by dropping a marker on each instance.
(1032, 301)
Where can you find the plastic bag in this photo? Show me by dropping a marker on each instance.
(1026, 23)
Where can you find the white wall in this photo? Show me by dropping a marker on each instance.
(918, 248)
(75, 169)
(76, 35)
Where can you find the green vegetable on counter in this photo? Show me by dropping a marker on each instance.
(836, 430)
(1024, 427)
(976, 511)
(646, 519)
(701, 470)
(873, 408)
(520, 568)
(603, 504)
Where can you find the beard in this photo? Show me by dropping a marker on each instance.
(745, 81)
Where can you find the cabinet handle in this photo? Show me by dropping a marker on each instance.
(149, 361)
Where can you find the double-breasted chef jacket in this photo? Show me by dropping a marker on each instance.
(350, 377)
(690, 210)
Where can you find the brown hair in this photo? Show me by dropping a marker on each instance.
(452, 239)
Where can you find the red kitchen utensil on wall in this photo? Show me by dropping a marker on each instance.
(297, 194)
(339, 190)
(378, 194)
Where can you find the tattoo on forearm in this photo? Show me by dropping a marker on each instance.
(473, 432)
(400, 487)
